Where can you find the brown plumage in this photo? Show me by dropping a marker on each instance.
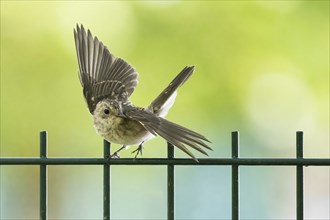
(108, 82)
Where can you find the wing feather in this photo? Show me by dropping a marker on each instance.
(101, 74)
(165, 99)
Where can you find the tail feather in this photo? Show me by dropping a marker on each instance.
(173, 133)
(196, 136)
(185, 138)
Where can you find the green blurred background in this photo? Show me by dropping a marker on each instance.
(262, 67)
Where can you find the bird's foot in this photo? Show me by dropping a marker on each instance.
(115, 154)
(138, 150)
(111, 156)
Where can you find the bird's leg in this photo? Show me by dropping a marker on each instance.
(138, 150)
(115, 154)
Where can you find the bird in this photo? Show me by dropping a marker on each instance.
(108, 81)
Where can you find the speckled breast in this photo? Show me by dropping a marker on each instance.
(122, 130)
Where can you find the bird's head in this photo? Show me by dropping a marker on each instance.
(106, 108)
(107, 114)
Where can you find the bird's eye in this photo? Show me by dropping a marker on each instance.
(106, 111)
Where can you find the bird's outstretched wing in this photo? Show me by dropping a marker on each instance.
(173, 133)
(101, 74)
(164, 101)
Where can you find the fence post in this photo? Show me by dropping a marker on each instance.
(106, 182)
(43, 177)
(170, 183)
(299, 177)
(235, 176)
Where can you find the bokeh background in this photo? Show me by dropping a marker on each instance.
(262, 68)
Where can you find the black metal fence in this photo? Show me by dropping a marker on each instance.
(235, 162)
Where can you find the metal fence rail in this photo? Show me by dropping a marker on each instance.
(235, 162)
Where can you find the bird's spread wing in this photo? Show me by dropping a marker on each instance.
(166, 98)
(101, 74)
(173, 133)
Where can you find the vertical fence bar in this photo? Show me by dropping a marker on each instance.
(43, 176)
(170, 183)
(235, 176)
(106, 182)
(300, 177)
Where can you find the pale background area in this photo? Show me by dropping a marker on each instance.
(261, 68)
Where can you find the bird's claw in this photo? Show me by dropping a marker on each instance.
(115, 155)
(111, 156)
(138, 150)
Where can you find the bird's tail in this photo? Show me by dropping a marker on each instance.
(164, 101)
(179, 136)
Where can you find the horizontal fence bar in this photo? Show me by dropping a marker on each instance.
(165, 161)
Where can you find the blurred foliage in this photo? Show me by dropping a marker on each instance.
(262, 67)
